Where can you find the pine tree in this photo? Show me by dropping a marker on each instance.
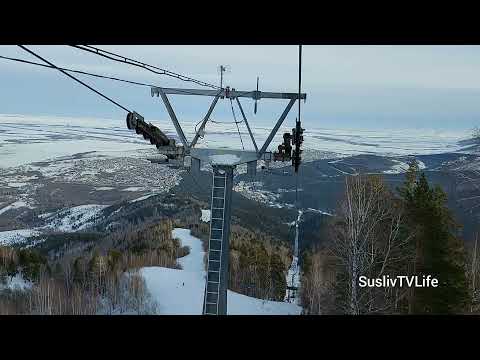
(438, 251)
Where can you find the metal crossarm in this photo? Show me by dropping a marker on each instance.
(228, 93)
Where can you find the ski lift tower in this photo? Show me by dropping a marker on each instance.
(223, 162)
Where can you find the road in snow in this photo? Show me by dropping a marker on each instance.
(180, 292)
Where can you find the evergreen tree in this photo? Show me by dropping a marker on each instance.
(438, 251)
(277, 274)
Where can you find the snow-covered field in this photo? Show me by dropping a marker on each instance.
(25, 139)
(180, 292)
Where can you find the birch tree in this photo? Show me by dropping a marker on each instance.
(366, 241)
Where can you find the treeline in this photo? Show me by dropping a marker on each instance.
(105, 279)
(258, 262)
(378, 232)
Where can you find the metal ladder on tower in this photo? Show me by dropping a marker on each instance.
(215, 244)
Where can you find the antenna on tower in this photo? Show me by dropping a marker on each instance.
(256, 99)
(223, 69)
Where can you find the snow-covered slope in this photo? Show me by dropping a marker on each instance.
(180, 292)
(75, 218)
(15, 205)
(72, 219)
(16, 236)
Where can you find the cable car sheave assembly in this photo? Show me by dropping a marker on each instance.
(167, 146)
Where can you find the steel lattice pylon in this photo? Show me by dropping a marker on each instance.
(223, 163)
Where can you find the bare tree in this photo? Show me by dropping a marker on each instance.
(366, 241)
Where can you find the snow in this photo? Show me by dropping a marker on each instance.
(400, 167)
(75, 218)
(16, 283)
(45, 215)
(15, 205)
(142, 198)
(134, 188)
(17, 184)
(25, 139)
(293, 275)
(194, 261)
(252, 191)
(205, 215)
(180, 292)
(68, 220)
(320, 211)
(225, 159)
(15, 236)
(238, 304)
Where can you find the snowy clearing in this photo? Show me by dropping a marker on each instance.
(400, 167)
(180, 292)
(15, 236)
(75, 218)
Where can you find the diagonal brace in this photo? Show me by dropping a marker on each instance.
(246, 123)
(277, 126)
(205, 119)
(180, 133)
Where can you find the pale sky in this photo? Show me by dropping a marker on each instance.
(361, 87)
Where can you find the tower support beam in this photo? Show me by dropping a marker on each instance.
(215, 299)
(170, 111)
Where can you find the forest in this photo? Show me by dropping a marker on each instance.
(377, 232)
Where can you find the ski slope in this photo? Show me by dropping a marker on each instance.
(180, 292)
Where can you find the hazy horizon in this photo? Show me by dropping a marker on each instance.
(348, 87)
